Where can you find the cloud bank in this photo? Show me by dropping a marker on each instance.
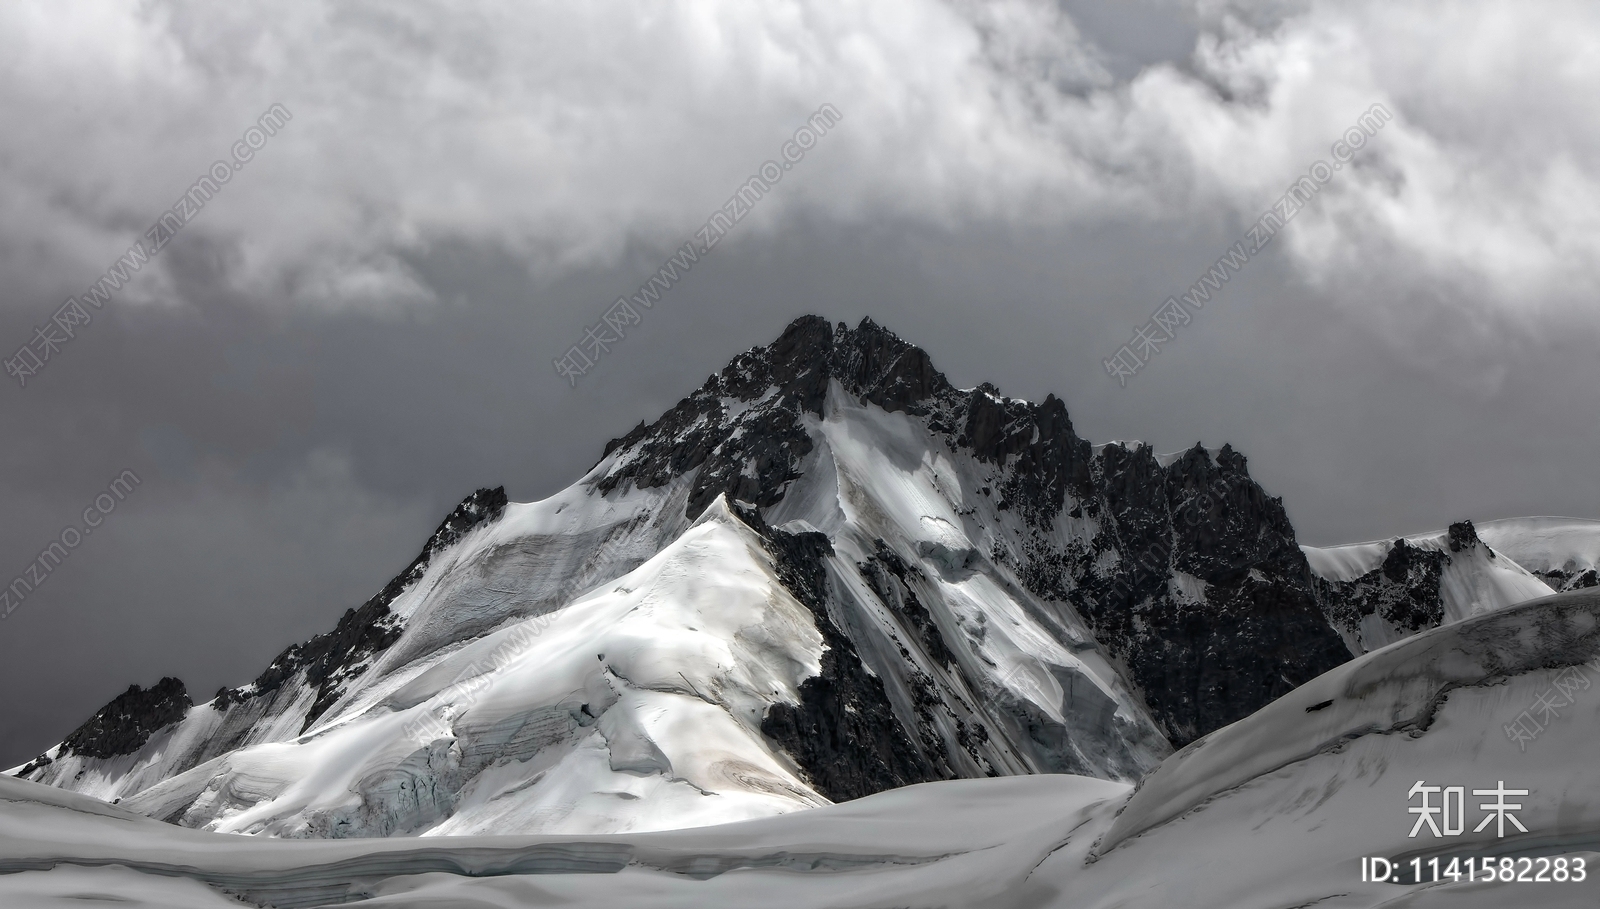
(566, 134)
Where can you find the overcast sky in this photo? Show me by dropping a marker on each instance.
(358, 329)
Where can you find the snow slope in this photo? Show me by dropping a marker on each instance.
(1565, 552)
(637, 705)
(1277, 810)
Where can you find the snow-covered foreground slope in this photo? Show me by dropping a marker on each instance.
(973, 839)
(1277, 810)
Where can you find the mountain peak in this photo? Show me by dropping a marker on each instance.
(870, 361)
(972, 590)
(748, 431)
(742, 429)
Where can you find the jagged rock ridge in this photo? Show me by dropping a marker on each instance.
(329, 661)
(126, 723)
(1260, 630)
(843, 731)
(325, 663)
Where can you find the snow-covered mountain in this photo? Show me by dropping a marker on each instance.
(824, 574)
(1285, 808)
(1380, 592)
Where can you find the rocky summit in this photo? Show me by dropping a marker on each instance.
(1181, 566)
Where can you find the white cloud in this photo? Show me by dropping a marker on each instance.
(562, 132)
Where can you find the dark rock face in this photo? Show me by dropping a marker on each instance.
(1224, 524)
(125, 724)
(328, 661)
(1051, 462)
(1582, 581)
(42, 760)
(1258, 631)
(1255, 641)
(843, 733)
(879, 368)
(1562, 581)
(773, 387)
(1260, 628)
(755, 465)
(1462, 535)
(482, 507)
(1403, 591)
(888, 574)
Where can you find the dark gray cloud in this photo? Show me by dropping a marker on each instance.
(359, 330)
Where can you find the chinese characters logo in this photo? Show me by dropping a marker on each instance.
(1448, 818)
